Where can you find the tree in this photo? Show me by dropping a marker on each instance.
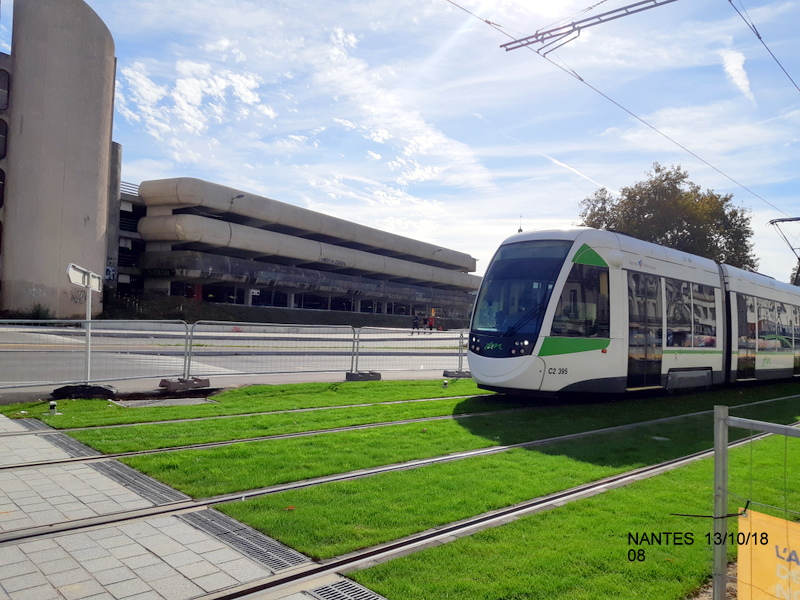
(670, 210)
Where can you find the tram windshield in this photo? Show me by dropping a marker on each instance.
(517, 287)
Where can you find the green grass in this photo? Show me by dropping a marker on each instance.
(172, 434)
(540, 422)
(253, 399)
(580, 551)
(249, 465)
(333, 519)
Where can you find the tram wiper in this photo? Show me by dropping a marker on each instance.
(528, 316)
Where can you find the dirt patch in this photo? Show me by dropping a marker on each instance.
(705, 592)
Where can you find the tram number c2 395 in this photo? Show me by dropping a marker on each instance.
(558, 371)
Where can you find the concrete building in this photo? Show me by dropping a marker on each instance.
(61, 202)
(56, 107)
(205, 240)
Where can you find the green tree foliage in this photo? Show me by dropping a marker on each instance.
(669, 209)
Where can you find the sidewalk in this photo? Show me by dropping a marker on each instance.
(150, 558)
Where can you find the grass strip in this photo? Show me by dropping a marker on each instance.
(172, 434)
(250, 465)
(252, 399)
(580, 551)
(541, 422)
(333, 519)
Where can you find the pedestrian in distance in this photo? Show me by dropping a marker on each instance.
(415, 324)
(430, 324)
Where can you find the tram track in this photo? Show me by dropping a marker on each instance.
(300, 434)
(307, 574)
(230, 416)
(223, 443)
(188, 505)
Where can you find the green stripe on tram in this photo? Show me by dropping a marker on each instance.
(586, 256)
(565, 345)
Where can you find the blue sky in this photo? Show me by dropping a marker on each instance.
(408, 116)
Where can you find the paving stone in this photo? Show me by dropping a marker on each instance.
(198, 569)
(115, 575)
(157, 571)
(75, 541)
(140, 560)
(37, 546)
(179, 559)
(151, 595)
(101, 564)
(23, 582)
(215, 581)
(42, 592)
(126, 589)
(17, 568)
(176, 588)
(244, 570)
(11, 554)
(68, 577)
(127, 551)
(57, 566)
(81, 590)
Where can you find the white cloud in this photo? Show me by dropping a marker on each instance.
(406, 114)
(733, 63)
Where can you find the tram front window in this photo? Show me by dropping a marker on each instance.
(517, 287)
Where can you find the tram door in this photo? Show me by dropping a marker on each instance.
(644, 330)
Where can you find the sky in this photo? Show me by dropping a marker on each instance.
(408, 116)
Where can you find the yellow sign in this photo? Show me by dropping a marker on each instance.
(769, 558)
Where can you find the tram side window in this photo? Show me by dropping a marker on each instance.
(746, 319)
(705, 316)
(679, 313)
(796, 326)
(784, 321)
(583, 308)
(766, 325)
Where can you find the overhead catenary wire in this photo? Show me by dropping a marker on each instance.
(574, 74)
(751, 26)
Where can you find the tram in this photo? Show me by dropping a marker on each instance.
(583, 310)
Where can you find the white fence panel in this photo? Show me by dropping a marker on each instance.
(54, 352)
(225, 348)
(398, 350)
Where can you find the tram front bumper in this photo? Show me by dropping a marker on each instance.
(521, 373)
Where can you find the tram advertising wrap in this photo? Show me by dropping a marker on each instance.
(582, 310)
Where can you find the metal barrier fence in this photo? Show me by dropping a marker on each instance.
(225, 348)
(396, 350)
(38, 353)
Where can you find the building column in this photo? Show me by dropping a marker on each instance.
(290, 300)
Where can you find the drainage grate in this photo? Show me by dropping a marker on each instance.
(147, 487)
(345, 590)
(71, 446)
(33, 424)
(250, 542)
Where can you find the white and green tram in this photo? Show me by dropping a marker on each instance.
(582, 310)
